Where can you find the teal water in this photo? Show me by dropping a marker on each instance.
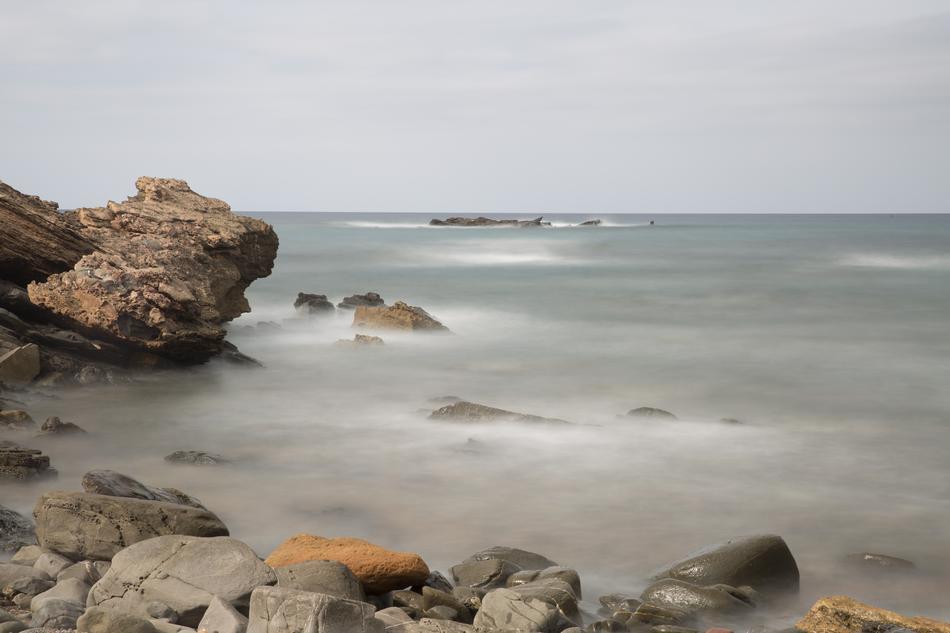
(827, 336)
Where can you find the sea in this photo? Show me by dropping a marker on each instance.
(823, 340)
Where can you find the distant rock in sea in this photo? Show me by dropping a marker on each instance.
(483, 221)
(399, 316)
(369, 299)
(472, 412)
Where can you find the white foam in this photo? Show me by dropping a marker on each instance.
(900, 262)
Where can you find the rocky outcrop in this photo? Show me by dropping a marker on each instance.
(379, 569)
(471, 412)
(841, 614)
(313, 304)
(369, 299)
(483, 221)
(20, 463)
(113, 484)
(399, 316)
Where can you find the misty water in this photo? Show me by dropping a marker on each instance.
(828, 337)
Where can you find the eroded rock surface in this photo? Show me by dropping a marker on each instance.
(841, 614)
(399, 316)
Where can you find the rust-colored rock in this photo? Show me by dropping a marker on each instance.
(399, 316)
(379, 569)
(841, 614)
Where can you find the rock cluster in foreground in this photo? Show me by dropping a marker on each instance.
(124, 557)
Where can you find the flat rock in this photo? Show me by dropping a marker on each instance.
(692, 598)
(650, 412)
(16, 531)
(20, 365)
(869, 561)
(198, 458)
(399, 316)
(84, 526)
(379, 569)
(471, 412)
(115, 484)
(483, 221)
(279, 610)
(20, 463)
(841, 614)
(183, 573)
(321, 576)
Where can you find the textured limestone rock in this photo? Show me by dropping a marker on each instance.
(399, 316)
(841, 614)
(84, 526)
(279, 610)
(19, 463)
(169, 267)
(379, 569)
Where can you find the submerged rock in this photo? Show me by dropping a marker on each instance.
(369, 299)
(650, 412)
(590, 223)
(360, 340)
(16, 531)
(471, 412)
(313, 303)
(16, 420)
(841, 614)
(869, 561)
(55, 426)
(200, 458)
(483, 221)
(693, 599)
(399, 316)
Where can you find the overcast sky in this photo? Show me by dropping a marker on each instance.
(490, 105)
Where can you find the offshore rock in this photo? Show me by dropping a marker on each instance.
(369, 299)
(168, 267)
(20, 463)
(483, 221)
(113, 484)
(313, 303)
(399, 316)
(471, 412)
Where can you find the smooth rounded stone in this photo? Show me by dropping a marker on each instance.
(368, 299)
(483, 574)
(182, 572)
(841, 614)
(6, 616)
(379, 569)
(221, 617)
(55, 613)
(869, 561)
(55, 426)
(16, 420)
(321, 576)
(505, 610)
(11, 572)
(28, 554)
(70, 590)
(692, 598)
(556, 593)
(114, 484)
(394, 619)
(399, 316)
(88, 571)
(26, 587)
(651, 412)
(653, 614)
(763, 562)
(51, 563)
(313, 303)
(279, 610)
(437, 581)
(98, 620)
(566, 574)
(16, 531)
(619, 602)
(22, 601)
(14, 627)
(464, 411)
(198, 458)
(85, 526)
(432, 598)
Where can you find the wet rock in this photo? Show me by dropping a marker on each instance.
(16, 420)
(84, 526)
(20, 365)
(313, 303)
(693, 599)
(763, 562)
(55, 426)
(369, 299)
(432, 598)
(183, 573)
(16, 531)
(590, 223)
(19, 463)
(360, 340)
(321, 576)
(114, 484)
(437, 581)
(221, 617)
(199, 458)
(379, 569)
(399, 316)
(98, 620)
(570, 576)
(469, 597)
(279, 610)
(869, 561)
(619, 602)
(472, 412)
(505, 610)
(841, 614)
(483, 221)
(650, 412)
(483, 574)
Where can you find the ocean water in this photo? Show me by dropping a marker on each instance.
(828, 337)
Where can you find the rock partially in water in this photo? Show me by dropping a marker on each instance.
(491, 568)
(694, 599)
(590, 223)
(16, 420)
(199, 458)
(20, 463)
(483, 221)
(368, 299)
(841, 614)
(399, 316)
(20, 365)
(651, 412)
(360, 340)
(313, 303)
(564, 574)
(16, 531)
(55, 426)
(115, 484)
(472, 412)
(879, 562)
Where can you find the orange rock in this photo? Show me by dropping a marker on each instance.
(399, 316)
(841, 614)
(379, 569)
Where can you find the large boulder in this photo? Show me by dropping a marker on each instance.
(280, 610)
(379, 569)
(84, 526)
(182, 574)
(841, 614)
(399, 316)
(763, 562)
(114, 484)
(167, 268)
(16, 531)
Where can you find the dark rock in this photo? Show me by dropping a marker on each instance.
(200, 458)
(763, 562)
(404, 598)
(55, 613)
(590, 223)
(113, 484)
(652, 614)
(437, 581)
(619, 602)
(369, 299)
(650, 412)
(16, 420)
(472, 412)
(570, 576)
(16, 531)
(693, 599)
(55, 426)
(483, 221)
(432, 598)
(867, 560)
(607, 626)
(19, 463)
(313, 304)
(20, 365)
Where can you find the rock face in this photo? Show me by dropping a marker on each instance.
(20, 365)
(183, 573)
(17, 462)
(84, 526)
(471, 412)
(113, 484)
(166, 269)
(483, 221)
(16, 530)
(762, 562)
(313, 304)
(369, 299)
(399, 316)
(379, 569)
(841, 614)
(278, 610)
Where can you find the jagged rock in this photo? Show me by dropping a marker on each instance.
(369, 299)
(650, 412)
(84, 526)
(313, 304)
(279, 610)
(182, 573)
(221, 617)
(55, 426)
(113, 484)
(168, 267)
(841, 614)
(762, 562)
(399, 316)
(16, 420)
(321, 576)
(200, 458)
(360, 340)
(17, 462)
(471, 412)
(16, 531)
(483, 221)
(379, 569)
(20, 365)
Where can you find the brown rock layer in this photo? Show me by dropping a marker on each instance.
(841, 614)
(399, 316)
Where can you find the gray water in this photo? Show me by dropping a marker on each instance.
(827, 336)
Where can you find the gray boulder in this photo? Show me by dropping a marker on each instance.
(27, 587)
(490, 568)
(279, 610)
(97, 620)
(10, 572)
(70, 590)
(182, 574)
(85, 526)
(88, 571)
(693, 599)
(51, 563)
(14, 626)
(763, 562)
(505, 610)
(113, 484)
(221, 617)
(197, 458)
(28, 554)
(321, 576)
(565, 574)
(57, 614)
(16, 531)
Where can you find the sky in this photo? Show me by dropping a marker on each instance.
(536, 106)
